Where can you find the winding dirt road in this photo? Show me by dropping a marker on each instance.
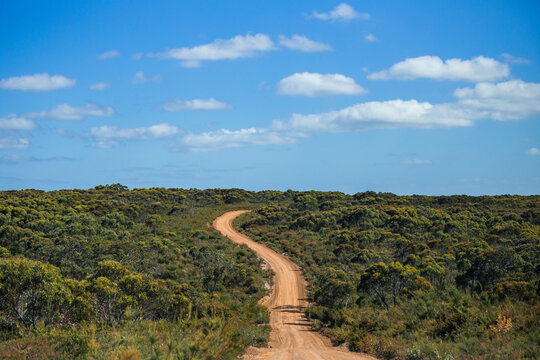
(292, 336)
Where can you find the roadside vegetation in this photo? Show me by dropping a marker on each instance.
(415, 277)
(111, 273)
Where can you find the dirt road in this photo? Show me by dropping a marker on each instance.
(292, 336)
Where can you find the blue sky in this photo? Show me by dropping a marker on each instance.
(409, 97)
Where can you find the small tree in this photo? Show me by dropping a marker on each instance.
(388, 282)
(106, 293)
(154, 221)
(31, 291)
(335, 289)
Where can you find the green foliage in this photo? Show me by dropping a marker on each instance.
(31, 291)
(336, 289)
(390, 281)
(4, 253)
(415, 277)
(154, 221)
(95, 273)
(139, 273)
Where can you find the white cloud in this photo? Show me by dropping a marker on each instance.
(100, 86)
(509, 100)
(13, 142)
(370, 37)
(16, 122)
(37, 82)
(107, 136)
(137, 56)
(237, 47)
(68, 112)
(533, 151)
(140, 78)
(515, 60)
(212, 141)
(389, 114)
(196, 104)
(302, 43)
(314, 84)
(342, 12)
(10, 125)
(108, 55)
(477, 69)
(512, 99)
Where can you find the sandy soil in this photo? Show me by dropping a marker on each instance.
(292, 336)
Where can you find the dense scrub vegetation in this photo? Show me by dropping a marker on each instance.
(126, 274)
(415, 277)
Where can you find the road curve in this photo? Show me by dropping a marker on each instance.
(292, 336)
